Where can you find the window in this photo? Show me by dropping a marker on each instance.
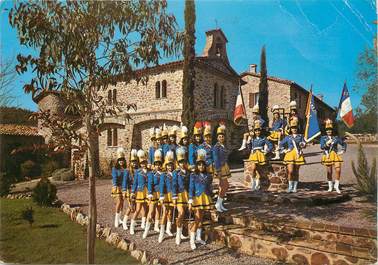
(157, 89)
(114, 96)
(215, 94)
(221, 100)
(115, 137)
(164, 89)
(253, 99)
(218, 49)
(109, 139)
(109, 97)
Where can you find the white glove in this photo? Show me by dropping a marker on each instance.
(161, 199)
(340, 152)
(302, 144)
(286, 151)
(329, 142)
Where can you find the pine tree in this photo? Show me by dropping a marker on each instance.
(263, 88)
(188, 117)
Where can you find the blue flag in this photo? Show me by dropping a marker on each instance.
(312, 125)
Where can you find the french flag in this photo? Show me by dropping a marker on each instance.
(345, 108)
(239, 112)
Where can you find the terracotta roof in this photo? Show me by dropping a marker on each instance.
(17, 129)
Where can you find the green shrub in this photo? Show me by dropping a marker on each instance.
(28, 215)
(366, 176)
(5, 183)
(49, 167)
(30, 169)
(44, 193)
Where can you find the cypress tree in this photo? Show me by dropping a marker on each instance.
(263, 88)
(188, 117)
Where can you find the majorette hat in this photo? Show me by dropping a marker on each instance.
(328, 124)
(207, 130)
(152, 134)
(142, 156)
(293, 105)
(257, 125)
(197, 128)
(201, 156)
(165, 131)
(169, 157)
(134, 155)
(183, 132)
(158, 134)
(180, 154)
(276, 109)
(221, 129)
(158, 156)
(294, 122)
(173, 130)
(120, 153)
(256, 109)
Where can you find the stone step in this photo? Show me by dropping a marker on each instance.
(287, 247)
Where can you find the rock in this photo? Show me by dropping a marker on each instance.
(143, 260)
(86, 220)
(300, 259)
(99, 230)
(319, 258)
(280, 253)
(137, 254)
(132, 246)
(79, 218)
(106, 232)
(63, 174)
(155, 261)
(123, 245)
(113, 239)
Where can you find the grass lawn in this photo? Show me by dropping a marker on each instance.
(53, 238)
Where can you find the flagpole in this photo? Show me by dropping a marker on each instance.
(308, 112)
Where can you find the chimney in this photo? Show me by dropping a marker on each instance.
(253, 68)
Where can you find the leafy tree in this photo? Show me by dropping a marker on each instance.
(14, 115)
(263, 87)
(188, 117)
(84, 47)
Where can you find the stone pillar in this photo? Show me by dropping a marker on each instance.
(273, 176)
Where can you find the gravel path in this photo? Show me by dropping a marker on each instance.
(76, 194)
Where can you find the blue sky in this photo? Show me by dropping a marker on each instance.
(308, 41)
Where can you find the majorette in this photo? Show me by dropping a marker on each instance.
(277, 130)
(197, 141)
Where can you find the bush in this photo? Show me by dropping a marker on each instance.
(30, 169)
(366, 176)
(44, 193)
(5, 183)
(28, 215)
(49, 167)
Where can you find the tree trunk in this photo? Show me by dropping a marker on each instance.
(93, 173)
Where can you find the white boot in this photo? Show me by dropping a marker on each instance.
(146, 229)
(132, 227)
(161, 235)
(218, 205)
(178, 235)
(198, 237)
(192, 240)
(330, 184)
(182, 236)
(116, 220)
(244, 145)
(143, 224)
(277, 157)
(221, 205)
(156, 226)
(168, 231)
(295, 186)
(290, 187)
(257, 184)
(124, 222)
(253, 184)
(337, 183)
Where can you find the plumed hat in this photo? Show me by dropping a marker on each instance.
(120, 153)
(142, 156)
(134, 155)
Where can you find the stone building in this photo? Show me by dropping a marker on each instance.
(280, 92)
(159, 101)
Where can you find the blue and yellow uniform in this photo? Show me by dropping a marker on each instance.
(209, 157)
(329, 145)
(193, 147)
(278, 127)
(256, 147)
(139, 187)
(151, 152)
(220, 154)
(153, 187)
(165, 186)
(119, 177)
(180, 186)
(294, 146)
(165, 148)
(200, 191)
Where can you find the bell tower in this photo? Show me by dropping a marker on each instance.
(215, 46)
